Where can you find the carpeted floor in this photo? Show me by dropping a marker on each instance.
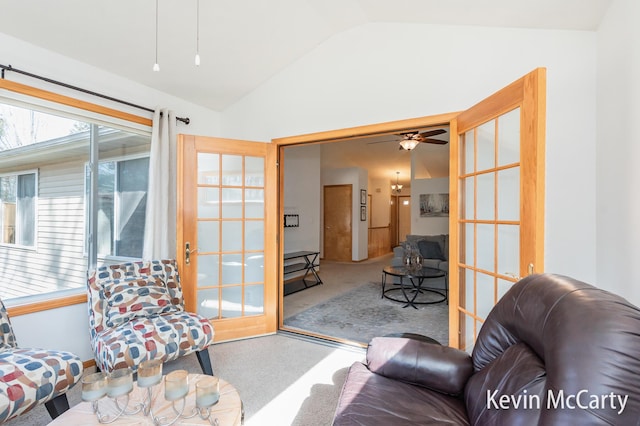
(361, 314)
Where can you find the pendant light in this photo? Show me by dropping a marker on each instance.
(156, 67)
(197, 60)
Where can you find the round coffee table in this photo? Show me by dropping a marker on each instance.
(410, 292)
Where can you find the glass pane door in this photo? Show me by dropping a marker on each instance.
(227, 233)
(230, 235)
(497, 224)
(490, 217)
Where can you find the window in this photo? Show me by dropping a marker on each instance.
(43, 192)
(18, 209)
(122, 201)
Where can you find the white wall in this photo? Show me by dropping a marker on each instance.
(68, 328)
(428, 225)
(302, 194)
(380, 191)
(357, 77)
(618, 151)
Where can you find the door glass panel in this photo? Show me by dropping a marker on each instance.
(509, 138)
(508, 191)
(208, 169)
(469, 247)
(231, 236)
(232, 170)
(208, 303)
(208, 270)
(486, 146)
(469, 195)
(254, 235)
(232, 267)
(232, 302)
(486, 197)
(484, 295)
(254, 174)
(208, 236)
(208, 203)
(508, 249)
(231, 203)
(485, 253)
(254, 299)
(254, 203)
(467, 164)
(254, 268)
(468, 334)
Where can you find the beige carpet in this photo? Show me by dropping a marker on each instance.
(282, 380)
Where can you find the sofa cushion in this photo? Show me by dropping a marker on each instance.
(431, 365)
(371, 399)
(134, 297)
(430, 250)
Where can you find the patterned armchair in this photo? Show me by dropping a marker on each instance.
(136, 313)
(29, 377)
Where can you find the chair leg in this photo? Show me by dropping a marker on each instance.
(205, 361)
(57, 405)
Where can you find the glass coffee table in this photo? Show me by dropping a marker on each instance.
(413, 290)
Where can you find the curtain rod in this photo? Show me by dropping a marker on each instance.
(185, 120)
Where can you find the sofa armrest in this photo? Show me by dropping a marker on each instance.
(425, 364)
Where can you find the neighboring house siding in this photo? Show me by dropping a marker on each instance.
(58, 261)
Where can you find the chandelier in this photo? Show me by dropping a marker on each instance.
(396, 187)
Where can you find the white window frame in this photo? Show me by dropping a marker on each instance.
(33, 247)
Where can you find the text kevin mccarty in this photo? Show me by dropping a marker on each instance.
(581, 400)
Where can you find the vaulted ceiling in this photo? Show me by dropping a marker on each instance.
(243, 43)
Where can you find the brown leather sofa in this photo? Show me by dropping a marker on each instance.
(553, 351)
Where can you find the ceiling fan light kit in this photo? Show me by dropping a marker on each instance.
(408, 144)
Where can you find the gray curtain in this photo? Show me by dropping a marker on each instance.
(160, 218)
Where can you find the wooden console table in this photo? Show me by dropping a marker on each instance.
(309, 267)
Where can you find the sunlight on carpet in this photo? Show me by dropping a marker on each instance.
(278, 411)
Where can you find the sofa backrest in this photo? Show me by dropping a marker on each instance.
(556, 351)
(441, 239)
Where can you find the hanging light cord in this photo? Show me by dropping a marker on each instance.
(156, 66)
(198, 32)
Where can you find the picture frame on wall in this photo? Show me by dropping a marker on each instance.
(363, 196)
(434, 205)
(363, 213)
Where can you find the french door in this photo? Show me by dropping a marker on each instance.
(497, 205)
(227, 227)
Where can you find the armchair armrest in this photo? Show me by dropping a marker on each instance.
(425, 364)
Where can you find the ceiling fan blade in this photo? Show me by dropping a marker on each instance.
(432, 133)
(434, 141)
(373, 143)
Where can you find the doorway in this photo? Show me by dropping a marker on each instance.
(468, 233)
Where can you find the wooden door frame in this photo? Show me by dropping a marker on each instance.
(339, 135)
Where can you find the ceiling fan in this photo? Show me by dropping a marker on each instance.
(410, 140)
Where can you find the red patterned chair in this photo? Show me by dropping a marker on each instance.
(136, 313)
(30, 377)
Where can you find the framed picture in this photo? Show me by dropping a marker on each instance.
(363, 196)
(434, 205)
(363, 213)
